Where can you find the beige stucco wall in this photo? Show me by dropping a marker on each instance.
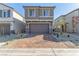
(39, 19)
(18, 16)
(19, 24)
(69, 20)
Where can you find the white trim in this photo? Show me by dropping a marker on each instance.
(45, 16)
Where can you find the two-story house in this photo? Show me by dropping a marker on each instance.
(39, 19)
(10, 20)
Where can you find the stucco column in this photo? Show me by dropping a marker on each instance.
(27, 28)
(12, 28)
(50, 28)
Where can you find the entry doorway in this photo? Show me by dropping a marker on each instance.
(62, 28)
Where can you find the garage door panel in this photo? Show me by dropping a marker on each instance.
(39, 28)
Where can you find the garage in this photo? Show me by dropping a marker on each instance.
(39, 28)
(4, 29)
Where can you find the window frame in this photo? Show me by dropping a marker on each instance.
(4, 14)
(1, 14)
(42, 15)
(8, 13)
(34, 13)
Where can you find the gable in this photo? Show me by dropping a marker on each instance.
(4, 7)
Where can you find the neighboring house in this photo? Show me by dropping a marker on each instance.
(39, 19)
(72, 26)
(10, 20)
(72, 21)
(59, 24)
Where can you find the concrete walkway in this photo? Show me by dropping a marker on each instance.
(39, 52)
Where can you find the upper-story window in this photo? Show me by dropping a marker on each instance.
(51, 12)
(4, 13)
(0, 13)
(45, 12)
(32, 12)
(8, 13)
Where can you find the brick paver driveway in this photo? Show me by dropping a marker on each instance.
(38, 41)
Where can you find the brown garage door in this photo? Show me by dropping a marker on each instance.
(39, 28)
(4, 29)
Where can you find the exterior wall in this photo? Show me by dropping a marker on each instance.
(19, 27)
(19, 22)
(27, 12)
(8, 20)
(38, 12)
(4, 7)
(69, 20)
(11, 24)
(39, 19)
(17, 16)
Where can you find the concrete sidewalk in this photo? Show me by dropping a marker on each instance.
(39, 52)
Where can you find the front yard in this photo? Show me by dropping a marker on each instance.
(37, 41)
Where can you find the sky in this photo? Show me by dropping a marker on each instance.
(61, 8)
